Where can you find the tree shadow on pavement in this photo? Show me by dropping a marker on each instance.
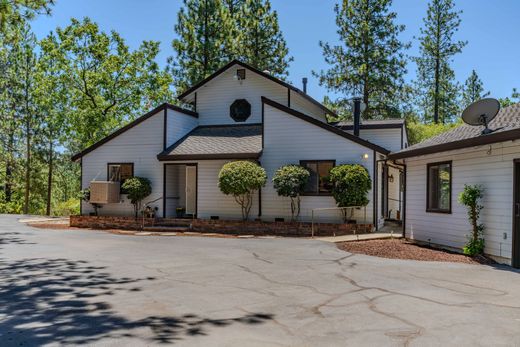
(13, 238)
(60, 301)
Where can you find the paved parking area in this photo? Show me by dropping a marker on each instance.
(96, 288)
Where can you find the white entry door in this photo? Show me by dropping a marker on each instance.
(191, 189)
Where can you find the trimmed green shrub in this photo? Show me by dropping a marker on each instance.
(137, 188)
(241, 179)
(350, 186)
(471, 197)
(290, 181)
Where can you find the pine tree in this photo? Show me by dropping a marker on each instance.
(15, 12)
(260, 40)
(370, 59)
(435, 78)
(473, 89)
(213, 32)
(200, 47)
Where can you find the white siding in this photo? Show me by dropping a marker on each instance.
(299, 103)
(386, 138)
(178, 125)
(139, 145)
(287, 140)
(215, 97)
(210, 200)
(477, 165)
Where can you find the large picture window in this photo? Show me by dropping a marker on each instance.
(120, 172)
(318, 183)
(439, 187)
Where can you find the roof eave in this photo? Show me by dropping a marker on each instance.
(471, 142)
(199, 84)
(209, 156)
(130, 125)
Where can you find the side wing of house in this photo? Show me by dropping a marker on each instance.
(137, 146)
(289, 139)
(490, 166)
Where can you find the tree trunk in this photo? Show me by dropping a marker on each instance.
(27, 169)
(8, 188)
(436, 96)
(437, 70)
(49, 179)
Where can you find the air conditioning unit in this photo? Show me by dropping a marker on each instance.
(104, 192)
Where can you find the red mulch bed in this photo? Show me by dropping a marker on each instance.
(404, 249)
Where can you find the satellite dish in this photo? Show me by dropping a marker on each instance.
(481, 113)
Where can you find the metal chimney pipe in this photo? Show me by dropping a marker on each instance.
(357, 115)
(304, 80)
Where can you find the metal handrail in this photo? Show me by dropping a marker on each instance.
(144, 208)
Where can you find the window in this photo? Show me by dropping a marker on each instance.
(438, 188)
(241, 74)
(318, 183)
(120, 172)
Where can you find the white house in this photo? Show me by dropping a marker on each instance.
(438, 168)
(240, 112)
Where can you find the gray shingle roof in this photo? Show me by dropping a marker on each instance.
(507, 119)
(226, 141)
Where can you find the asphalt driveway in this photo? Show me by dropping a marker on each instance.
(96, 288)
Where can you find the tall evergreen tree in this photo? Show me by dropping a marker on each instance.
(435, 78)
(201, 28)
(473, 89)
(370, 59)
(260, 40)
(213, 32)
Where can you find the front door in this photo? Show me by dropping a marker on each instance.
(515, 260)
(191, 189)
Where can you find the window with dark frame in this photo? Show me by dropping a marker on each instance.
(120, 172)
(318, 183)
(438, 189)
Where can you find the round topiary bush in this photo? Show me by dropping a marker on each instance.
(290, 181)
(137, 189)
(241, 179)
(350, 185)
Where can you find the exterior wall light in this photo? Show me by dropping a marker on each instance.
(365, 156)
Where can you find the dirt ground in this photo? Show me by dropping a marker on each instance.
(403, 249)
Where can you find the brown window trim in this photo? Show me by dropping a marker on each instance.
(433, 210)
(302, 162)
(108, 171)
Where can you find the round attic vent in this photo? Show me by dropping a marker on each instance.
(240, 110)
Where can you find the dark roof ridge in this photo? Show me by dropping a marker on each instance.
(261, 73)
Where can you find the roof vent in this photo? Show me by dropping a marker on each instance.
(304, 81)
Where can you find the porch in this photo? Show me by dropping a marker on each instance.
(180, 190)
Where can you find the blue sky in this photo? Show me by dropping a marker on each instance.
(490, 27)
